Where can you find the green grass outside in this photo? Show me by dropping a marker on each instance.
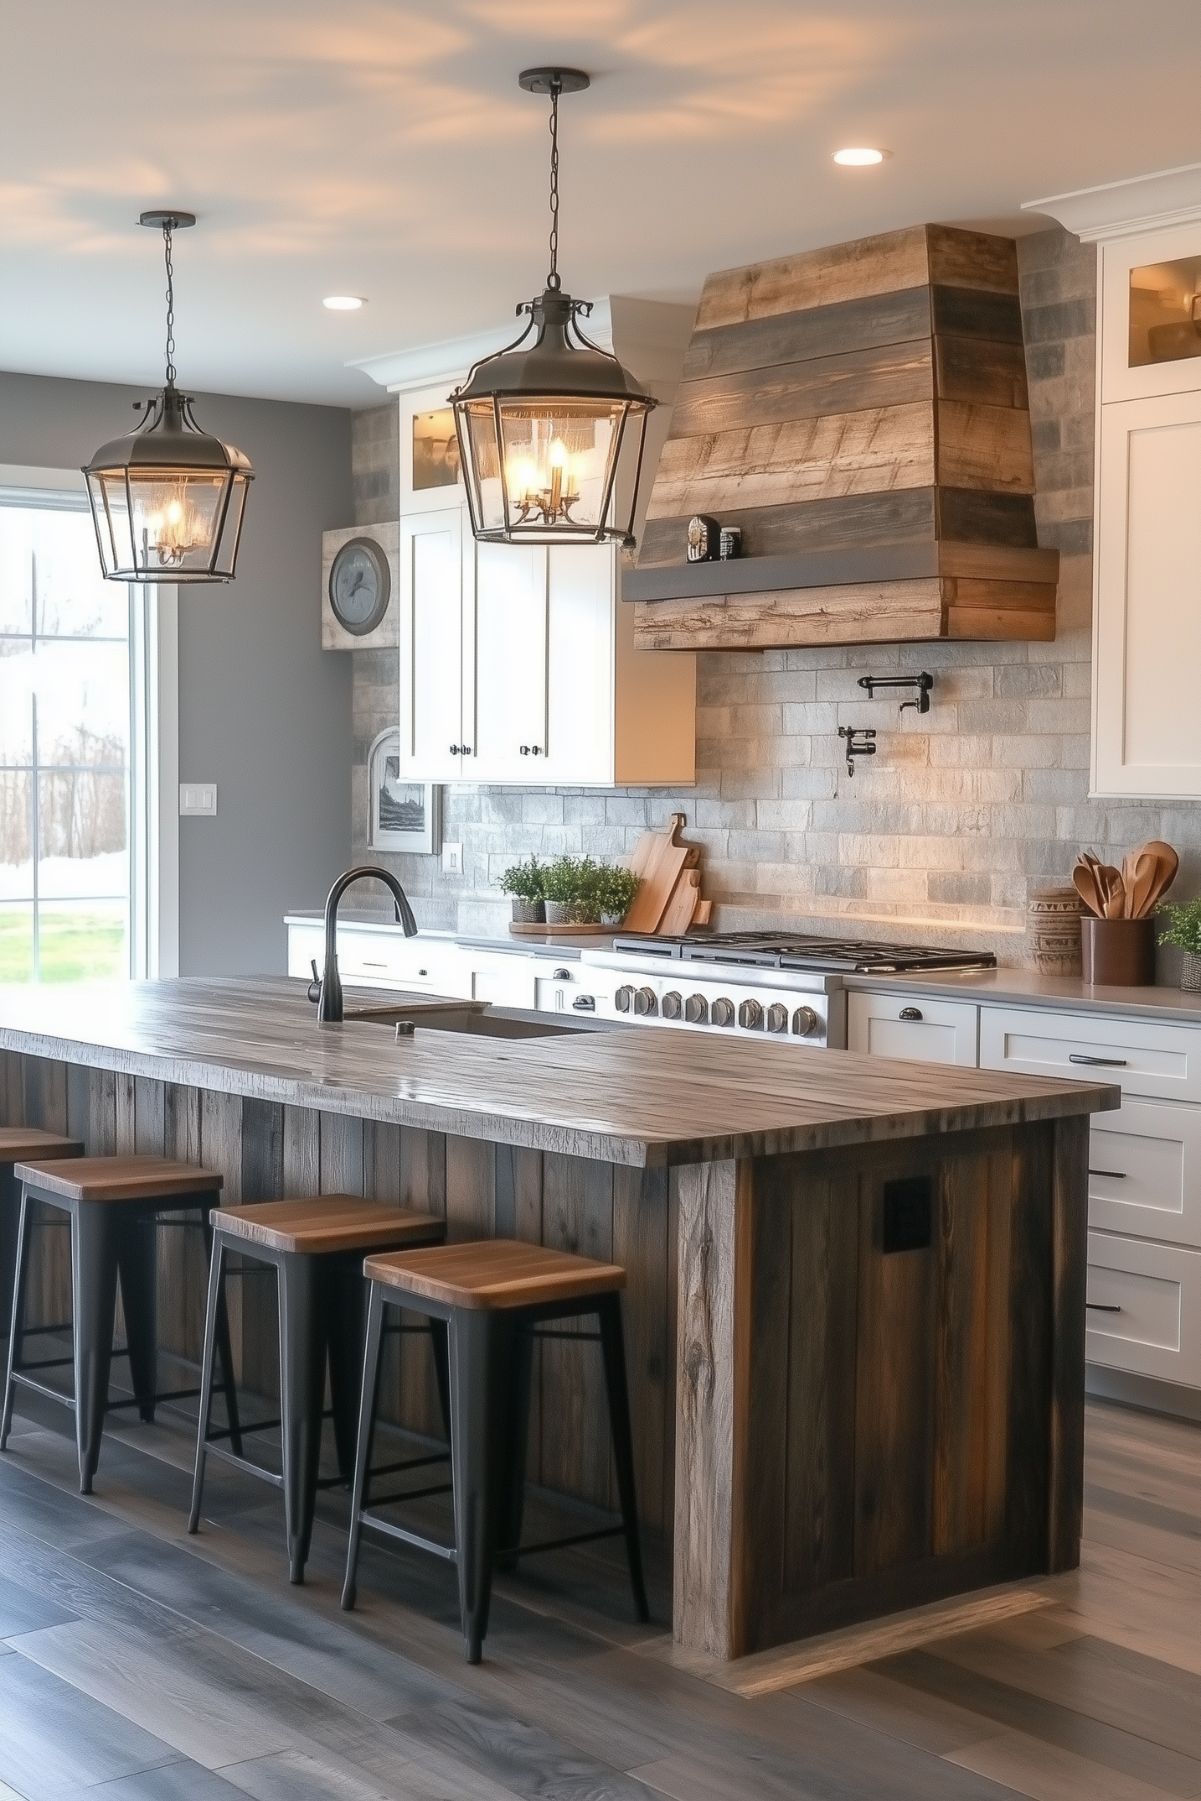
(75, 946)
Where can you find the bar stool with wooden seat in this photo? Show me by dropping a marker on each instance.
(113, 1205)
(18, 1144)
(496, 1298)
(316, 1249)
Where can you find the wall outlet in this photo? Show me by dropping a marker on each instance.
(198, 800)
(452, 859)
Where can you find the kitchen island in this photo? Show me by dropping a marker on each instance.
(855, 1312)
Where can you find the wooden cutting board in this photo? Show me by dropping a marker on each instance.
(680, 909)
(658, 861)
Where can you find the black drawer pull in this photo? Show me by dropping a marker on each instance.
(1097, 1062)
(584, 1003)
(1102, 1307)
(910, 1013)
(1115, 1175)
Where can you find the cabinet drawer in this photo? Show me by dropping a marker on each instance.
(503, 980)
(925, 1031)
(1144, 1172)
(1137, 1055)
(1154, 1291)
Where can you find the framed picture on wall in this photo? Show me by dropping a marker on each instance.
(404, 815)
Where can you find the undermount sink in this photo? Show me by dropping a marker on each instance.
(470, 1021)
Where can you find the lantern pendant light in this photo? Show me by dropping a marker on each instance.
(551, 429)
(167, 499)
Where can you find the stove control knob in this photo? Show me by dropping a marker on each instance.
(645, 1001)
(723, 1011)
(805, 1022)
(623, 997)
(696, 1009)
(750, 1016)
(777, 1017)
(672, 1005)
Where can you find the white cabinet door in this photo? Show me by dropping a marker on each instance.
(1146, 723)
(431, 645)
(1137, 1055)
(507, 630)
(924, 1031)
(579, 664)
(503, 978)
(1144, 1174)
(1144, 1308)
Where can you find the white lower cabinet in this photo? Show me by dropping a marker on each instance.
(1144, 1176)
(925, 1031)
(373, 956)
(1144, 1308)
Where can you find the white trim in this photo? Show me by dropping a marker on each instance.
(652, 337)
(154, 653)
(1143, 203)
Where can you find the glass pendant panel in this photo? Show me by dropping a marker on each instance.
(167, 525)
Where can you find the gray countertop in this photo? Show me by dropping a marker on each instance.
(624, 1096)
(1026, 988)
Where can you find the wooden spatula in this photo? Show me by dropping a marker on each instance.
(1166, 865)
(1145, 869)
(1084, 881)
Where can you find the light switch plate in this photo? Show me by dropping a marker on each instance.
(198, 800)
(452, 859)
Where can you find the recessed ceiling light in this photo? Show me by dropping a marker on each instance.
(860, 157)
(343, 303)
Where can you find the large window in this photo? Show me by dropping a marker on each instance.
(75, 774)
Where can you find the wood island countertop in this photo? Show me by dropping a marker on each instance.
(632, 1097)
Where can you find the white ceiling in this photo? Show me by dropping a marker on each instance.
(384, 149)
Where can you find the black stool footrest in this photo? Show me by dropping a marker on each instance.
(20, 1379)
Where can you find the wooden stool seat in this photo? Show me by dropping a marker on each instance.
(18, 1144)
(494, 1273)
(328, 1224)
(118, 1178)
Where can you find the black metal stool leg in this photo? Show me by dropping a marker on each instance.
(368, 1403)
(137, 1253)
(613, 1347)
(479, 1379)
(9, 1212)
(302, 1352)
(17, 1315)
(224, 1342)
(514, 1442)
(94, 1292)
(440, 1351)
(346, 1305)
(211, 1314)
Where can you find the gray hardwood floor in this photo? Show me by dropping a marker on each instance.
(137, 1664)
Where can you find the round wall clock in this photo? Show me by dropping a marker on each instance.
(360, 584)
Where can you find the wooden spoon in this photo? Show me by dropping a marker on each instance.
(1109, 882)
(1145, 870)
(1085, 884)
(1166, 865)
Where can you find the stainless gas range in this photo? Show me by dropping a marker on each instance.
(745, 984)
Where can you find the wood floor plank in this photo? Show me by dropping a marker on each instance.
(181, 1781)
(1049, 1773)
(56, 1741)
(787, 1779)
(301, 1776)
(23, 1610)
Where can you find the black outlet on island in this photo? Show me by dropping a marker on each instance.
(908, 1214)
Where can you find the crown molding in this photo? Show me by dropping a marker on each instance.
(650, 336)
(1118, 208)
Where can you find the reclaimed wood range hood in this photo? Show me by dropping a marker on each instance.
(861, 413)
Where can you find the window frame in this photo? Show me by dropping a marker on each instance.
(154, 743)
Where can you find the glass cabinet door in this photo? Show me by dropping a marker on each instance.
(1150, 314)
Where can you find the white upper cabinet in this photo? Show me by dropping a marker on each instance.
(517, 662)
(1147, 533)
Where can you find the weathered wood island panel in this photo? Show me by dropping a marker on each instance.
(855, 1316)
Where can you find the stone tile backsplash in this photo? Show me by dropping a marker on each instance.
(940, 835)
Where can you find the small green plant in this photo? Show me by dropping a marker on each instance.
(570, 881)
(615, 891)
(524, 880)
(1183, 925)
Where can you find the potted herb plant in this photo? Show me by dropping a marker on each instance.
(523, 881)
(615, 891)
(569, 885)
(1184, 931)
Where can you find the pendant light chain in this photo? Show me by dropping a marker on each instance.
(552, 280)
(170, 304)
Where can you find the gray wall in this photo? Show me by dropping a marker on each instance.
(944, 832)
(263, 711)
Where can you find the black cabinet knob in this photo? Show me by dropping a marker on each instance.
(454, 750)
(910, 1013)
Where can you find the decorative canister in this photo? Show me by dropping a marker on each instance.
(1053, 931)
(1190, 971)
(1118, 953)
